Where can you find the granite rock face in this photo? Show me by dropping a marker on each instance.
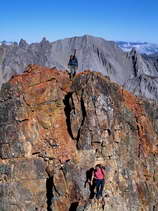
(54, 130)
(144, 81)
(93, 53)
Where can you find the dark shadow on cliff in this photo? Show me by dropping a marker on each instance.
(83, 110)
(91, 186)
(73, 206)
(49, 188)
(69, 107)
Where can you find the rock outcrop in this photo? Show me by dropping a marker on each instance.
(93, 53)
(144, 81)
(54, 130)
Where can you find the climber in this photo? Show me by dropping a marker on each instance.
(73, 65)
(98, 180)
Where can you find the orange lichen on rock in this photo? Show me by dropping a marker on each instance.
(43, 91)
(145, 128)
(55, 130)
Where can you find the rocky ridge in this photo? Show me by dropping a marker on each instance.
(97, 54)
(54, 130)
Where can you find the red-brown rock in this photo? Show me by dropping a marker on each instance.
(53, 130)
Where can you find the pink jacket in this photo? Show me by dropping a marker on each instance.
(99, 174)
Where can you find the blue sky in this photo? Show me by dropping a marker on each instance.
(128, 20)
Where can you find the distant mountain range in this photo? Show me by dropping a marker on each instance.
(135, 72)
(141, 47)
(6, 42)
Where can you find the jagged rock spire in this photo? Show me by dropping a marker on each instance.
(23, 43)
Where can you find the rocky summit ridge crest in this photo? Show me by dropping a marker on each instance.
(137, 73)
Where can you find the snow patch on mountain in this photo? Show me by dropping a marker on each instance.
(141, 47)
(6, 42)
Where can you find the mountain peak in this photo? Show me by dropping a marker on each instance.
(93, 53)
(44, 39)
(23, 43)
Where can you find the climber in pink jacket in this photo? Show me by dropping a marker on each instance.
(98, 176)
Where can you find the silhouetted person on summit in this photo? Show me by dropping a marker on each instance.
(73, 65)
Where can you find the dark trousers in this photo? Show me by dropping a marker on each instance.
(99, 184)
(72, 69)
